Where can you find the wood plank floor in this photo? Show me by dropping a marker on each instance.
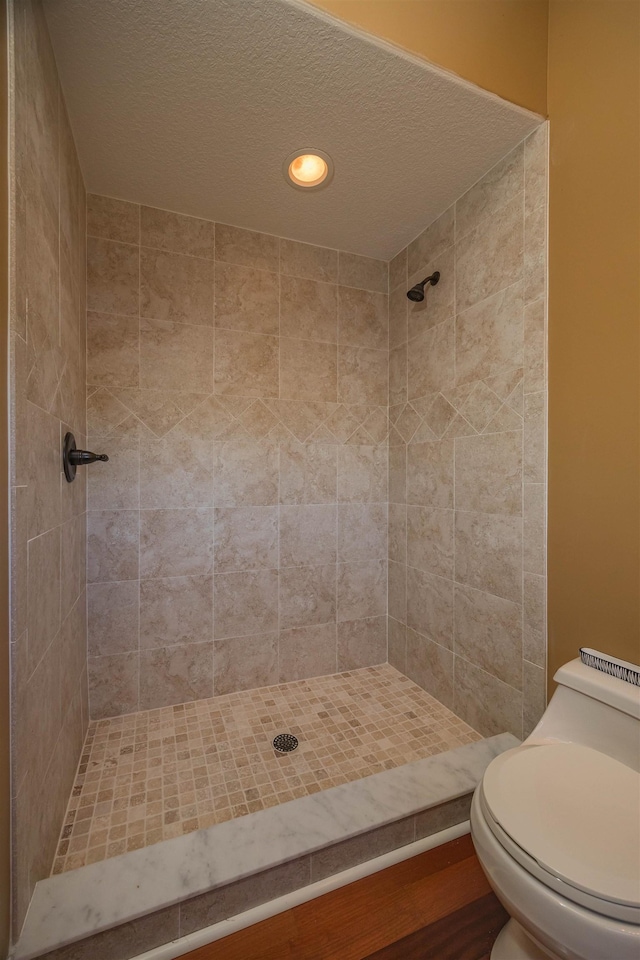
(436, 906)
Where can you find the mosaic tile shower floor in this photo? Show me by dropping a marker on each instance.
(157, 774)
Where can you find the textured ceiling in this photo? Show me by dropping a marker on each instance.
(192, 105)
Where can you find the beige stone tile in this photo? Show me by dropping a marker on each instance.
(308, 472)
(176, 356)
(430, 474)
(432, 242)
(535, 347)
(490, 257)
(535, 254)
(431, 361)
(245, 473)
(245, 538)
(485, 198)
(308, 309)
(246, 364)
(113, 618)
(489, 554)
(363, 375)
(244, 663)
(175, 674)
(308, 534)
(113, 219)
(430, 666)
(488, 633)
(430, 606)
(362, 643)
(44, 465)
(397, 532)
(113, 350)
(430, 540)
(175, 287)
(398, 474)
(166, 230)
(398, 316)
(534, 643)
(534, 588)
(43, 617)
(362, 531)
(176, 610)
(113, 685)
(245, 603)
(307, 652)
(308, 374)
(489, 473)
(397, 644)
(534, 700)
(398, 375)
(362, 272)
(114, 485)
(247, 248)
(175, 474)
(485, 703)
(535, 168)
(71, 651)
(112, 277)
(535, 467)
(112, 545)
(246, 299)
(363, 318)
(438, 304)
(307, 595)
(397, 591)
(18, 560)
(534, 532)
(176, 543)
(306, 260)
(18, 412)
(362, 590)
(398, 270)
(362, 474)
(489, 336)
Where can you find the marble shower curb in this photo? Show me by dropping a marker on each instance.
(98, 897)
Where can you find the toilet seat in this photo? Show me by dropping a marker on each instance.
(570, 815)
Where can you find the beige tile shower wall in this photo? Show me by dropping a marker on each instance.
(467, 450)
(238, 382)
(47, 308)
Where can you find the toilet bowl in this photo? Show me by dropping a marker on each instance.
(556, 824)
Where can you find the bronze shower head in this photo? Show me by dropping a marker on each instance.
(417, 293)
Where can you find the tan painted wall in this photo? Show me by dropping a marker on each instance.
(5, 804)
(594, 327)
(501, 45)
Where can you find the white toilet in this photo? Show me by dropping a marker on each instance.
(556, 822)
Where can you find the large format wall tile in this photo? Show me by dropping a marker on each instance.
(246, 299)
(112, 277)
(490, 256)
(175, 287)
(166, 230)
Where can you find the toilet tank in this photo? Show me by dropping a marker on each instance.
(594, 709)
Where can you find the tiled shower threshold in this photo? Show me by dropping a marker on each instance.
(174, 803)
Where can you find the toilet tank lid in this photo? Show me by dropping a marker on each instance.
(616, 693)
(574, 810)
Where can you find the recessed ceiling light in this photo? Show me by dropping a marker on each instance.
(308, 169)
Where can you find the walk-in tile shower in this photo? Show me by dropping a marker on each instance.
(323, 511)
